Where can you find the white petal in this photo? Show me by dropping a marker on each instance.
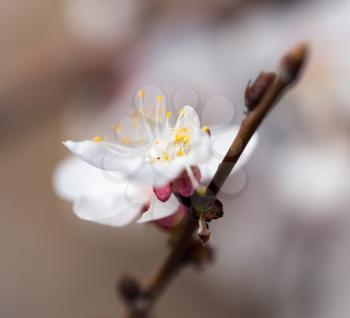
(118, 165)
(159, 210)
(165, 172)
(201, 150)
(188, 118)
(116, 208)
(221, 142)
(102, 156)
(73, 178)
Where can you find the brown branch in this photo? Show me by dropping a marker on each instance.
(261, 96)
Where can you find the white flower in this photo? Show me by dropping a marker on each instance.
(113, 182)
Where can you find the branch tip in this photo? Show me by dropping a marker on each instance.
(293, 62)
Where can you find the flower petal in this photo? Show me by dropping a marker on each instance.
(73, 178)
(159, 210)
(115, 208)
(103, 156)
(188, 118)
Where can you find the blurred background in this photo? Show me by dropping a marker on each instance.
(70, 69)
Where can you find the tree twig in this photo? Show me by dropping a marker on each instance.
(261, 96)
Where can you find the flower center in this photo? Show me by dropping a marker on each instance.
(169, 142)
(172, 143)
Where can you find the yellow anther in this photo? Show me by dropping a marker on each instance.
(125, 140)
(159, 98)
(206, 130)
(141, 93)
(179, 138)
(182, 112)
(97, 139)
(180, 153)
(166, 156)
(118, 128)
(168, 114)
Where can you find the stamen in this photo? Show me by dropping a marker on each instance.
(141, 93)
(118, 128)
(166, 156)
(168, 115)
(206, 129)
(125, 140)
(193, 179)
(98, 139)
(157, 116)
(160, 98)
(180, 153)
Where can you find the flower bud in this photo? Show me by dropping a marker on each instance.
(292, 63)
(128, 288)
(183, 184)
(254, 92)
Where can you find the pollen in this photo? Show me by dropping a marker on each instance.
(97, 139)
(179, 138)
(125, 140)
(206, 129)
(186, 139)
(159, 98)
(166, 156)
(180, 153)
(141, 93)
(118, 128)
(168, 114)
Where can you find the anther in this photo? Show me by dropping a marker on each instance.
(141, 93)
(206, 129)
(98, 139)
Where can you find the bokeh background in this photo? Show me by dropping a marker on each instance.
(70, 69)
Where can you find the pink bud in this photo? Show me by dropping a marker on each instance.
(183, 184)
(163, 193)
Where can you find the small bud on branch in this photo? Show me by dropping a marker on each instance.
(254, 92)
(292, 63)
(128, 288)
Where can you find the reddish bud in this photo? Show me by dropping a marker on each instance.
(254, 92)
(183, 184)
(163, 193)
(293, 62)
